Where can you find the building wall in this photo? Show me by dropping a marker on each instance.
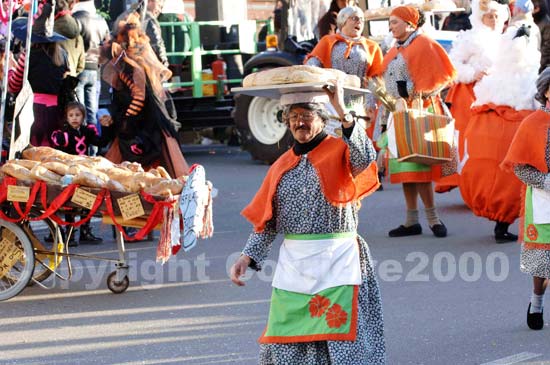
(257, 9)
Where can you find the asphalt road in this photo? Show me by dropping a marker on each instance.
(457, 300)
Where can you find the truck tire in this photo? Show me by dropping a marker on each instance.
(262, 135)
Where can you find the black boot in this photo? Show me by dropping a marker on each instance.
(380, 178)
(86, 235)
(502, 235)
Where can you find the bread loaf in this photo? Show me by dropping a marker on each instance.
(94, 179)
(165, 188)
(41, 153)
(39, 172)
(58, 167)
(299, 74)
(116, 186)
(25, 163)
(17, 171)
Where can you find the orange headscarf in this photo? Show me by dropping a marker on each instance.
(408, 14)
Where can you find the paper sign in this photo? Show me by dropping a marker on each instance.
(22, 121)
(9, 256)
(83, 198)
(18, 193)
(130, 207)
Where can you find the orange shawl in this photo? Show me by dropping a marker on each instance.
(323, 52)
(429, 65)
(332, 163)
(529, 144)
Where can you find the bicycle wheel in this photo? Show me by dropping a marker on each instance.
(45, 263)
(16, 260)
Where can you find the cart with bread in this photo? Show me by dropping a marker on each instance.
(44, 186)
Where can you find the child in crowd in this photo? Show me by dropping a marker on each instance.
(76, 138)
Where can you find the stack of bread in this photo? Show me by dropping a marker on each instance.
(299, 74)
(57, 167)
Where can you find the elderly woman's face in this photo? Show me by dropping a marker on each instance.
(304, 124)
(353, 27)
(490, 19)
(399, 28)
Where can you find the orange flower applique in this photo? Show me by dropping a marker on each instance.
(336, 316)
(532, 232)
(318, 305)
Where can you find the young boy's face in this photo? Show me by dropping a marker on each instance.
(75, 118)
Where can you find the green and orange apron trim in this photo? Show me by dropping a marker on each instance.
(330, 315)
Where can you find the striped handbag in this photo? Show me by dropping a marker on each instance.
(423, 137)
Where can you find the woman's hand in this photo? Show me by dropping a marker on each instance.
(105, 120)
(12, 63)
(238, 269)
(336, 97)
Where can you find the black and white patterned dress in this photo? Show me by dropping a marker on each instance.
(535, 262)
(356, 64)
(299, 207)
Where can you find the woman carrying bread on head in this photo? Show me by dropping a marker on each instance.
(348, 51)
(325, 304)
(416, 68)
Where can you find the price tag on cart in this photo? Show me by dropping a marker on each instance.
(9, 255)
(83, 198)
(130, 207)
(18, 193)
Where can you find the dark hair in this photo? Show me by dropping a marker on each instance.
(543, 82)
(75, 105)
(543, 11)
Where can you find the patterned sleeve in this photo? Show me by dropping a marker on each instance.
(361, 149)
(15, 76)
(533, 177)
(138, 95)
(258, 245)
(314, 61)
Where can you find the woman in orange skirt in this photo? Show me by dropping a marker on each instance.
(416, 67)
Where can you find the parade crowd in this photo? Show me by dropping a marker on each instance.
(326, 306)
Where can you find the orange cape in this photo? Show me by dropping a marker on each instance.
(323, 52)
(529, 144)
(429, 65)
(489, 191)
(331, 162)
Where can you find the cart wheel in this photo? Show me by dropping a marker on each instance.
(45, 264)
(16, 260)
(117, 287)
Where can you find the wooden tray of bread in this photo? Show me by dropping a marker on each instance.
(275, 91)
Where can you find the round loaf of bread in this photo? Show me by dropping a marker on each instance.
(299, 74)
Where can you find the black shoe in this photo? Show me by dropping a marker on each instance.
(505, 237)
(534, 320)
(439, 230)
(87, 237)
(403, 231)
(380, 188)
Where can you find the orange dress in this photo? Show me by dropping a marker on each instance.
(488, 190)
